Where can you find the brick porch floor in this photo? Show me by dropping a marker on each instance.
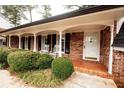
(91, 67)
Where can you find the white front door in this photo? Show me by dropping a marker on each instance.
(91, 46)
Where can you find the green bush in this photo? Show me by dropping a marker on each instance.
(4, 51)
(44, 61)
(2, 65)
(22, 60)
(27, 60)
(62, 67)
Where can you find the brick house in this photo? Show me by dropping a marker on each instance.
(94, 34)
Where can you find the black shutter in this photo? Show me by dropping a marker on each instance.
(48, 39)
(29, 43)
(23, 42)
(53, 41)
(39, 43)
(67, 43)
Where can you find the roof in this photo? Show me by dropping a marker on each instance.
(67, 15)
(119, 38)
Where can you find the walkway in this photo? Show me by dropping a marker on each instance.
(81, 80)
(77, 80)
(8, 81)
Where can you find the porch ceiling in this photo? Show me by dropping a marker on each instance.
(85, 28)
(106, 17)
(45, 32)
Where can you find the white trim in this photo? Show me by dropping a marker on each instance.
(60, 44)
(19, 41)
(35, 42)
(26, 42)
(111, 52)
(119, 24)
(9, 40)
(98, 56)
(98, 46)
(118, 48)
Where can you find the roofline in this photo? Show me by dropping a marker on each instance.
(67, 15)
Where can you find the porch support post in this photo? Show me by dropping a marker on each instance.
(19, 41)
(9, 40)
(60, 44)
(111, 51)
(26, 42)
(35, 42)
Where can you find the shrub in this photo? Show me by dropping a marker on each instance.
(44, 61)
(2, 65)
(4, 51)
(62, 67)
(22, 60)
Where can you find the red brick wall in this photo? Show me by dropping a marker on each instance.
(14, 41)
(76, 45)
(118, 67)
(105, 36)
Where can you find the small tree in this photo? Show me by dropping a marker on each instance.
(13, 13)
(30, 8)
(71, 7)
(45, 10)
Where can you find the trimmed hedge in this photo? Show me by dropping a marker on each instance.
(4, 51)
(27, 60)
(62, 67)
(22, 60)
(44, 61)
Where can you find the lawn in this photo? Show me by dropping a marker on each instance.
(40, 78)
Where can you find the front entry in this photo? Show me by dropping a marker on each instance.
(91, 46)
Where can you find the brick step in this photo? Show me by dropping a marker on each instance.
(94, 72)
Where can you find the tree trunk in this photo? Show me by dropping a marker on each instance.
(30, 13)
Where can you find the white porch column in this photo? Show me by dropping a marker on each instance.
(60, 44)
(35, 42)
(26, 42)
(9, 40)
(19, 41)
(111, 51)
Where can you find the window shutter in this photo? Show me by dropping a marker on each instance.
(29, 43)
(23, 42)
(53, 41)
(39, 43)
(67, 43)
(48, 39)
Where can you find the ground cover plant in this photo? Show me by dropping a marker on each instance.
(40, 78)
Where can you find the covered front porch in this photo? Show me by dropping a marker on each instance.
(88, 46)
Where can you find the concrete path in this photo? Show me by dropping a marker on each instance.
(8, 81)
(77, 80)
(82, 80)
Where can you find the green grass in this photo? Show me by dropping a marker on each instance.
(40, 78)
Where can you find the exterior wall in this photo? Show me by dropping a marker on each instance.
(76, 45)
(105, 36)
(118, 67)
(14, 41)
